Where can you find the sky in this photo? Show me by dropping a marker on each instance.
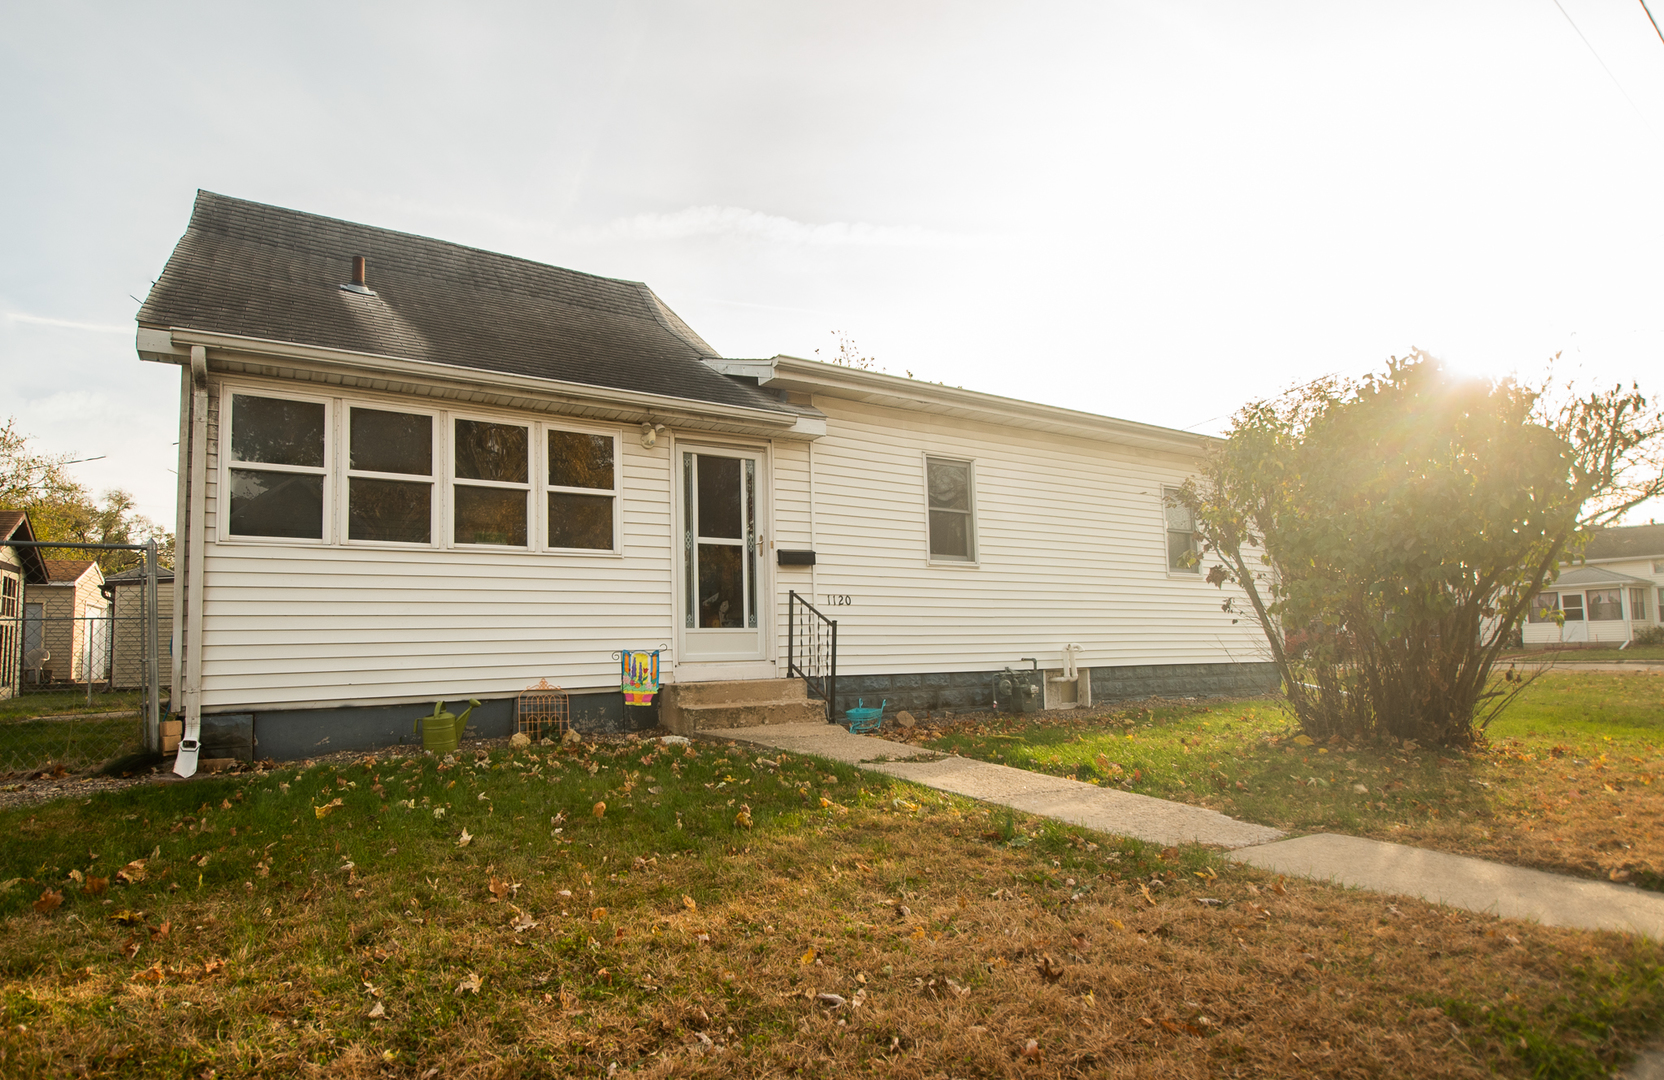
(1156, 211)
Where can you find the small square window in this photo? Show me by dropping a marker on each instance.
(1572, 605)
(1181, 534)
(950, 499)
(276, 487)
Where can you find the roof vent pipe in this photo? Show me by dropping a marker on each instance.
(358, 284)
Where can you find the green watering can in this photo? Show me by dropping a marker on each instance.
(443, 730)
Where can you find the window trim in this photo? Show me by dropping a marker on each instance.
(973, 533)
(337, 473)
(436, 502)
(616, 492)
(222, 493)
(1166, 540)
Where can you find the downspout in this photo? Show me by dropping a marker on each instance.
(189, 744)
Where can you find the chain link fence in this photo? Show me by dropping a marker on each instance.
(85, 659)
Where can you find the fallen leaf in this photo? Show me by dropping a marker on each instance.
(151, 974)
(743, 818)
(131, 949)
(96, 886)
(1031, 1049)
(126, 917)
(1049, 967)
(524, 922)
(132, 873)
(499, 889)
(465, 839)
(377, 1011)
(470, 985)
(600, 810)
(688, 902)
(161, 931)
(1277, 887)
(598, 914)
(808, 957)
(834, 1000)
(49, 901)
(1145, 889)
(212, 967)
(1302, 740)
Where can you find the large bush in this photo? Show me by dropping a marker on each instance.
(1396, 528)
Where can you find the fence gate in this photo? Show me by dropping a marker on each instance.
(84, 658)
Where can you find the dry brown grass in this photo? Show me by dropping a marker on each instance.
(947, 923)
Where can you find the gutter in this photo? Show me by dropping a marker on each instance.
(175, 345)
(812, 377)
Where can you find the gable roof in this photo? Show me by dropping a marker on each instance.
(69, 571)
(255, 271)
(14, 525)
(1628, 542)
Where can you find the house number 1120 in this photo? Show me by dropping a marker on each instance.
(839, 599)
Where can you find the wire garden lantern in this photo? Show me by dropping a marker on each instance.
(542, 711)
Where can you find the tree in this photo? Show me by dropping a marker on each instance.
(61, 509)
(1388, 534)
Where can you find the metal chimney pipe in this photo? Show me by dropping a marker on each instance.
(358, 271)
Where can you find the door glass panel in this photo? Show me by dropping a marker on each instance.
(389, 510)
(274, 431)
(392, 442)
(277, 504)
(751, 542)
(580, 460)
(719, 498)
(486, 451)
(490, 516)
(580, 521)
(721, 581)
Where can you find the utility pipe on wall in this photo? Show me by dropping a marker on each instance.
(185, 764)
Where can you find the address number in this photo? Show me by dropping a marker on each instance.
(839, 600)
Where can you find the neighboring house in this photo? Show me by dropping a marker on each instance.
(74, 621)
(19, 620)
(460, 472)
(1615, 590)
(129, 654)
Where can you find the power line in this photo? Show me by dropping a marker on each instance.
(1608, 70)
(1652, 20)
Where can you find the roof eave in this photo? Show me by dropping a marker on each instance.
(172, 345)
(813, 377)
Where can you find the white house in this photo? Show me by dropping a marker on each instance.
(1616, 590)
(412, 470)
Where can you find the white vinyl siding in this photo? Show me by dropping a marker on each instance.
(1071, 547)
(290, 625)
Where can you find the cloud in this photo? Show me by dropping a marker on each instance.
(67, 324)
(696, 221)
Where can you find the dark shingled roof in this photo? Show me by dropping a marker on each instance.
(259, 271)
(15, 525)
(1629, 542)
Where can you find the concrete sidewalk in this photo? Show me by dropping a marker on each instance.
(1394, 869)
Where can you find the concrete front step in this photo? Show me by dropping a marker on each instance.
(688, 707)
(753, 714)
(736, 691)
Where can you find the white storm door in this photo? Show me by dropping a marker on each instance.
(721, 572)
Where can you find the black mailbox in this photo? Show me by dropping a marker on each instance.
(794, 558)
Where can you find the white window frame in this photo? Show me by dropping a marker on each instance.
(337, 474)
(222, 500)
(616, 492)
(1168, 490)
(436, 502)
(972, 533)
(533, 518)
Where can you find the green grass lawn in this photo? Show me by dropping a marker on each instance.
(72, 735)
(712, 911)
(1573, 779)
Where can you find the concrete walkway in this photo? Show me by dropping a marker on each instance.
(1394, 869)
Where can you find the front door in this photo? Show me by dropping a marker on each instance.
(721, 573)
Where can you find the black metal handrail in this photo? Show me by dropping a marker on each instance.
(812, 650)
